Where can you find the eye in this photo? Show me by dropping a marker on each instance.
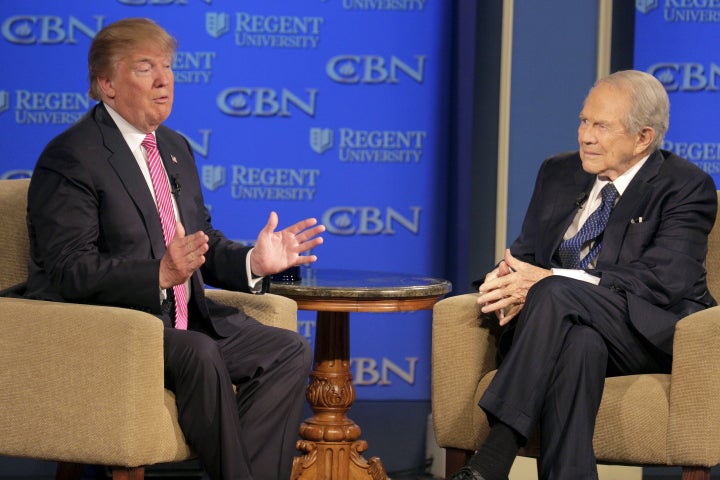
(143, 68)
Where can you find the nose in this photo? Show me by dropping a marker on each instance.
(164, 77)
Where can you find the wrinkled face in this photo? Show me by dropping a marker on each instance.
(606, 148)
(140, 88)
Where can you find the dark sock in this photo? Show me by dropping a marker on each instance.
(496, 456)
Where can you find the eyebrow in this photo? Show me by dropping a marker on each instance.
(146, 59)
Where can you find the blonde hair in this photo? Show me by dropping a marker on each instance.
(119, 39)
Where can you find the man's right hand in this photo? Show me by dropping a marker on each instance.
(183, 256)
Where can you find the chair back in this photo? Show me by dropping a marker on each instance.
(15, 250)
(712, 261)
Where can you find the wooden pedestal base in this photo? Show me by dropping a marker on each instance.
(330, 446)
(337, 461)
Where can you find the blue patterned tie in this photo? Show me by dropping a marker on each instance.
(569, 249)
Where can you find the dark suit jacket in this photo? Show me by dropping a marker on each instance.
(95, 233)
(658, 264)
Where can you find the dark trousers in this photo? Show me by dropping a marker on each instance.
(251, 434)
(568, 337)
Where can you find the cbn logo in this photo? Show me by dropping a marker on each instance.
(321, 139)
(687, 77)
(368, 371)
(369, 220)
(4, 100)
(213, 176)
(264, 102)
(646, 6)
(47, 29)
(352, 69)
(217, 24)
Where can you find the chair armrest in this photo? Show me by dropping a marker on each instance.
(463, 351)
(96, 369)
(695, 390)
(269, 309)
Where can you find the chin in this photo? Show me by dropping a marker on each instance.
(589, 168)
(162, 117)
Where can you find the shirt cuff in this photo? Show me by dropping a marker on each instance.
(581, 275)
(255, 283)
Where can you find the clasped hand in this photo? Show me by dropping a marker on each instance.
(505, 288)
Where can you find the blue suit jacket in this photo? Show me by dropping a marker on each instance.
(659, 263)
(95, 233)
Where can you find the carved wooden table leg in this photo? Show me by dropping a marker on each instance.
(330, 445)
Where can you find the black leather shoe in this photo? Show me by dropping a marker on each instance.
(467, 473)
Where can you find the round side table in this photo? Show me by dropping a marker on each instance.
(330, 441)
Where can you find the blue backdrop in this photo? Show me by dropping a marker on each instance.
(329, 108)
(677, 42)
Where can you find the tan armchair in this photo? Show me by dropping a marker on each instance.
(643, 419)
(83, 384)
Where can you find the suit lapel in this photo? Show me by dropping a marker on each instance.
(567, 202)
(123, 162)
(635, 194)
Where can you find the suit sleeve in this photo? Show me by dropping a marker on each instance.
(225, 265)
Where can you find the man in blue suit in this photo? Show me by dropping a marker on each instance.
(99, 234)
(611, 255)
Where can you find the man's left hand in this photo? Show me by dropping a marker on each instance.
(278, 251)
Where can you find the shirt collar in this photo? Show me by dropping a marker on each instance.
(133, 137)
(621, 183)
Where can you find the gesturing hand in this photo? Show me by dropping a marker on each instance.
(506, 287)
(183, 256)
(278, 251)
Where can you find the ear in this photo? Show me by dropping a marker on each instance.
(644, 139)
(106, 85)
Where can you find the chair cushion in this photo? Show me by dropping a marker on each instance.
(632, 407)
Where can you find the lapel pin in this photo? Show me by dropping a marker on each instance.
(172, 157)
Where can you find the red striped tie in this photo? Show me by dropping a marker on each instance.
(167, 218)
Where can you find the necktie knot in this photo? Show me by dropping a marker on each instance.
(609, 193)
(149, 142)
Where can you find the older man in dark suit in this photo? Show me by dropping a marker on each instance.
(116, 217)
(611, 255)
